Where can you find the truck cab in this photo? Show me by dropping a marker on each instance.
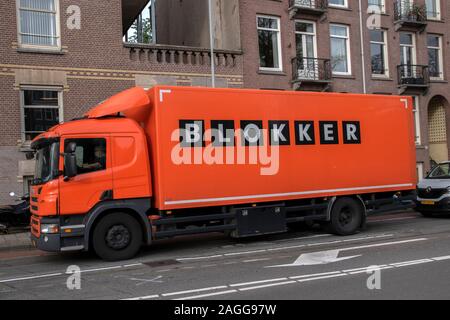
(433, 192)
(84, 169)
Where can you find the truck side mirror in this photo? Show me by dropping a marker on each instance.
(70, 161)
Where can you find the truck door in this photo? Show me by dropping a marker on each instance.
(93, 181)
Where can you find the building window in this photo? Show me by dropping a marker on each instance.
(378, 3)
(306, 52)
(269, 43)
(378, 52)
(435, 61)
(338, 3)
(417, 135)
(41, 110)
(407, 48)
(433, 9)
(340, 49)
(38, 23)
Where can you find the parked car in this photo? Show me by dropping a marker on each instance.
(433, 192)
(17, 215)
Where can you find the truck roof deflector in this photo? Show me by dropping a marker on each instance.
(133, 103)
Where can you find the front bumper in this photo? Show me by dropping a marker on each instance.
(441, 206)
(57, 242)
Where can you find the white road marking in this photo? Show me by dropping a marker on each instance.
(315, 275)
(323, 277)
(193, 291)
(256, 260)
(265, 283)
(331, 256)
(256, 282)
(315, 258)
(144, 297)
(283, 248)
(207, 295)
(32, 277)
(56, 274)
(384, 244)
(268, 285)
(100, 269)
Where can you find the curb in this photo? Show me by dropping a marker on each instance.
(15, 241)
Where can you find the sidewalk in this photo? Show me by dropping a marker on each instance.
(15, 241)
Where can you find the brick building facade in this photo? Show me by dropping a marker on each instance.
(265, 44)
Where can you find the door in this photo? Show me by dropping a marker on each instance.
(306, 52)
(407, 55)
(94, 174)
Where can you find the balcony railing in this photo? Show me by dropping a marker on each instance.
(181, 55)
(316, 7)
(409, 13)
(311, 69)
(413, 75)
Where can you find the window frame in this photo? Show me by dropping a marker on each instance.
(313, 34)
(40, 47)
(440, 57)
(60, 106)
(278, 31)
(69, 139)
(382, 8)
(385, 52)
(412, 46)
(438, 17)
(349, 59)
(345, 5)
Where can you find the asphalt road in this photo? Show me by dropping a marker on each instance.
(412, 255)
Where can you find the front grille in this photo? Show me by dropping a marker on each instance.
(431, 194)
(34, 208)
(34, 199)
(35, 226)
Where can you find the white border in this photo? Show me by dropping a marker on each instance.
(288, 194)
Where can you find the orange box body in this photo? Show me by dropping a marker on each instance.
(384, 160)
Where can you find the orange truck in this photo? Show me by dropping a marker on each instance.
(171, 161)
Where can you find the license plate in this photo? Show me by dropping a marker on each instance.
(429, 203)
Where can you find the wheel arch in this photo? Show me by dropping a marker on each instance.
(358, 198)
(137, 208)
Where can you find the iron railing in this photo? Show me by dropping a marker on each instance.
(309, 4)
(312, 69)
(406, 11)
(414, 75)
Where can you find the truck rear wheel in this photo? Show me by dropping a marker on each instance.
(118, 236)
(346, 217)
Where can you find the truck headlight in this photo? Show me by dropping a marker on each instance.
(49, 228)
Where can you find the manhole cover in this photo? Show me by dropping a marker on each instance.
(161, 263)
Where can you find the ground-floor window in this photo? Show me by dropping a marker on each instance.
(41, 109)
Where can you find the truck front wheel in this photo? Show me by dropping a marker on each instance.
(346, 217)
(117, 236)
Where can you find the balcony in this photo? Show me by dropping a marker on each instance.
(409, 17)
(308, 7)
(311, 73)
(190, 58)
(413, 77)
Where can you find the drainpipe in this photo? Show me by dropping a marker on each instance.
(211, 40)
(363, 58)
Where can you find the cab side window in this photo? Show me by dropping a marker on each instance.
(90, 154)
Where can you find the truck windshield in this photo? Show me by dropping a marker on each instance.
(47, 159)
(442, 171)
